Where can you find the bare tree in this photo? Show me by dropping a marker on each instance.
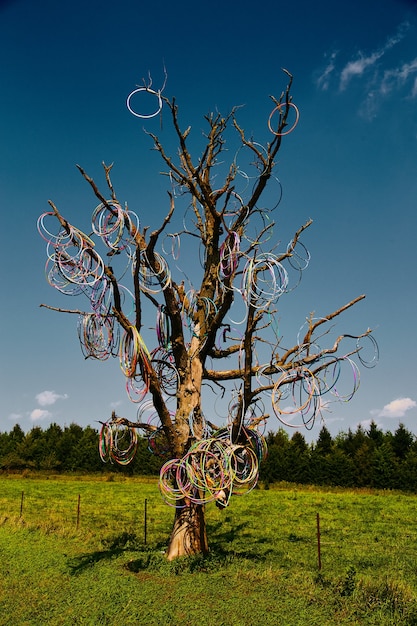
(216, 331)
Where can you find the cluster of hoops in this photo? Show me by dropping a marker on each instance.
(72, 263)
(212, 470)
(74, 267)
(304, 392)
(99, 337)
(114, 225)
(117, 443)
(264, 280)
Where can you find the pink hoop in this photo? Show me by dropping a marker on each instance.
(278, 108)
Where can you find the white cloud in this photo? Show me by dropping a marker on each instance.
(358, 67)
(396, 408)
(39, 414)
(46, 398)
(323, 79)
(397, 77)
(377, 82)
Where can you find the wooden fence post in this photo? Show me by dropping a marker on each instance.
(145, 522)
(318, 541)
(21, 503)
(78, 510)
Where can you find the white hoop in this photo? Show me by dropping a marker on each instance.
(151, 91)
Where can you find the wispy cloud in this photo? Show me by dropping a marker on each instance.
(323, 78)
(398, 76)
(47, 398)
(396, 408)
(378, 83)
(39, 414)
(358, 66)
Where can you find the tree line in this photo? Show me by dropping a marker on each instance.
(364, 458)
(69, 449)
(361, 458)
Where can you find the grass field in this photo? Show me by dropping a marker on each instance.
(75, 550)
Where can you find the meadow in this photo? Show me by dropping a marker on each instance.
(89, 550)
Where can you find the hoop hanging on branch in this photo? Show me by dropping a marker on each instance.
(371, 362)
(264, 280)
(229, 255)
(164, 367)
(297, 387)
(108, 222)
(163, 328)
(296, 260)
(175, 245)
(145, 116)
(133, 352)
(60, 282)
(336, 391)
(96, 335)
(151, 281)
(278, 110)
(117, 443)
(47, 235)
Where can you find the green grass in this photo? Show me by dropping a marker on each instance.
(262, 567)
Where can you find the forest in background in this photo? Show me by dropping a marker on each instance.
(362, 458)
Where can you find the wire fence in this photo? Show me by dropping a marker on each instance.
(369, 530)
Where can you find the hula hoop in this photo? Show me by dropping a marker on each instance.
(142, 115)
(278, 108)
(375, 358)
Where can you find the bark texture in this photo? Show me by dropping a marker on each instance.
(189, 532)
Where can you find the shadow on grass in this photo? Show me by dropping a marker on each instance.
(224, 551)
(83, 562)
(227, 548)
(216, 558)
(113, 547)
(235, 542)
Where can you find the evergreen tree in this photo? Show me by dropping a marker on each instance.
(324, 443)
(299, 454)
(407, 472)
(384, 468)
(375, 435)
(363, 462)
(341, 469)
(276, 466)
(401, 441)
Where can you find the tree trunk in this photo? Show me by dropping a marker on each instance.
(189, 532)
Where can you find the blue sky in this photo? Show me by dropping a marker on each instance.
(351, 165)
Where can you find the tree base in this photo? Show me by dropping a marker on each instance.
(189, 532)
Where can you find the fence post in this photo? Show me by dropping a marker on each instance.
(78, 511)
(318, 541)
(21, 503)
(145, 522)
